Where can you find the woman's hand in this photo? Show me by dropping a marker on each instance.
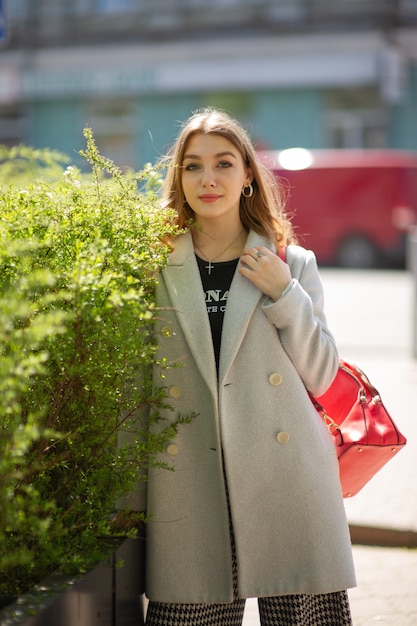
(265, 270)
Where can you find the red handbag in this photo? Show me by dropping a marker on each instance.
(364, 433)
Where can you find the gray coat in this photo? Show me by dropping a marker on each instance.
(256, 426)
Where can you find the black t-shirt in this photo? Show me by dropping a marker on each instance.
(216, 279)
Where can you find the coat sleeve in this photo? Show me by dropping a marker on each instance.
(301, 323)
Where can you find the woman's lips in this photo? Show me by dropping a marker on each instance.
(209, 197)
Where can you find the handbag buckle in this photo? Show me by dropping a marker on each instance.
(330, 423)
(332, 427)
(362, 396)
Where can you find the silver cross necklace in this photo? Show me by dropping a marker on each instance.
(210, 265)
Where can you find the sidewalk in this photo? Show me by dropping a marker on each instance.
(386, 594)
(370, 314)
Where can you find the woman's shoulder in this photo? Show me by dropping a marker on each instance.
(298, 254)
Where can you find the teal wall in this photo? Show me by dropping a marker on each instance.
(403, 116)
(275, 120)
(289, 118)
(56, 125)
(159, 119)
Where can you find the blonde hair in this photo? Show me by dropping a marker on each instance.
(263, 212)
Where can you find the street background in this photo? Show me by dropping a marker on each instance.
(371, 314)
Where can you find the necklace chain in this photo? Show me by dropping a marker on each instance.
(210, 265)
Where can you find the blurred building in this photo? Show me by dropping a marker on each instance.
(312, 73)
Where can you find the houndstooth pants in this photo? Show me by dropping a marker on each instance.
(329, 609)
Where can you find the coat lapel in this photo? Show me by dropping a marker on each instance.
(183, 283)
(243, 299)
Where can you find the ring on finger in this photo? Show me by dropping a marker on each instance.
(259, 253)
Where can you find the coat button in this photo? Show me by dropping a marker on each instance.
(172, 449)
(275, 379)
(174, 391)
(283, 437)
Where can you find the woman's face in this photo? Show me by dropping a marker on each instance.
(213, 174)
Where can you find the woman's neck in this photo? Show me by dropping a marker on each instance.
(219, 244)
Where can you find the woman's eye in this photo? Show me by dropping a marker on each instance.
(189, 167)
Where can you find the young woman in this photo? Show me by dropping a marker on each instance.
(253, 507)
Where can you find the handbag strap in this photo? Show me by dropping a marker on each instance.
(282, 253)
(362, 378)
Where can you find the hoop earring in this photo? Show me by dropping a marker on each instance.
(250, 193)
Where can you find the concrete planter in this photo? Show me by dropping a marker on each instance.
(107, 596)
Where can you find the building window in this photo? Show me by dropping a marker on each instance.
(16, 10)
(355, 118)
(114, 6)
(12, 126)
(238, 104)
(224, 3)
(113, 123)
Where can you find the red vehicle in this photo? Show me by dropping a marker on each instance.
(354, 208)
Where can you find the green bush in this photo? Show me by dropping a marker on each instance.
(79, 258)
